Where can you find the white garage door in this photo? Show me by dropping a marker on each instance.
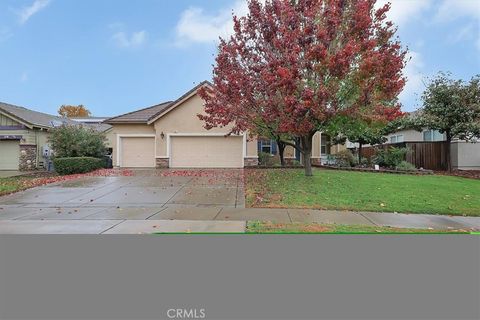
(137, 152)
(9, 155)
(206, 152)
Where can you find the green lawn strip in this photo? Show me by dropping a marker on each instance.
(20, 183)
(9, 185)
(270, 227)
(346, 190)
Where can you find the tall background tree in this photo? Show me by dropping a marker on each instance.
(453, 108)
(300, 64)
(69, 111)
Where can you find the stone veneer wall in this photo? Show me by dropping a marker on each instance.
(28, 157)
(162, 162)
(250, 162)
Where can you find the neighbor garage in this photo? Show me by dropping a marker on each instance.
(9, 154)
(137, 152)
(206, 152)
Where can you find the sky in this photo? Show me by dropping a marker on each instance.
(116, 56)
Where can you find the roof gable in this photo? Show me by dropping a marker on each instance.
(179, 101)
(31, 118)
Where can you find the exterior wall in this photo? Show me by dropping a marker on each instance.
(408, 135)
(126, 129)
(337, 148)
(28, 157)
(31, 139)
(465, 155)
(183, 119)
(110, 138)
(289, 152)
(7, 122)
(316, 145)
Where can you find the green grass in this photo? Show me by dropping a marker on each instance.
(9, 185)
(269, 227)
(346, 190)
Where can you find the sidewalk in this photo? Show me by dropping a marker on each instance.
(207, 219)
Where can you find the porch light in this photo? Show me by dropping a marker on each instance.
(162, 135)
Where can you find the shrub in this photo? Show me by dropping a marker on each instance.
(389, 158)
(73, 165)
(77, 141)
(406, 166)
(268, 160)
(345, 158)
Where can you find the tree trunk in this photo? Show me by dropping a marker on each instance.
(281, 150)
(449, 159)
(306, 144)
(360, 145)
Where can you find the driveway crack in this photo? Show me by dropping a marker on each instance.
(116, 224)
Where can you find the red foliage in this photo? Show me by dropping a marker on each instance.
(299, 64)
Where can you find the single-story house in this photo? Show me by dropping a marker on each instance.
(23, 136)
(170, 134)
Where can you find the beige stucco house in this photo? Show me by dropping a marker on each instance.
(170, 134)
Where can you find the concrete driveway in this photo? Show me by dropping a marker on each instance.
(97, 204)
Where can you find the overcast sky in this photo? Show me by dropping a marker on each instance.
(116, 56)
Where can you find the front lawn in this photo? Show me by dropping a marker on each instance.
(361, 191)
(270, 227)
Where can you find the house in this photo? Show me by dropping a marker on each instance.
(23, 136)
(428, 142)
(463, 155)
(170, 134)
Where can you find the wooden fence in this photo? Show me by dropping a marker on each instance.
(427, 155)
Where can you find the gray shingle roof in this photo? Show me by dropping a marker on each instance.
(140, 116)
(33, 118)
(100, 127)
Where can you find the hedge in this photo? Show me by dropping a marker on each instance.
(73, 165)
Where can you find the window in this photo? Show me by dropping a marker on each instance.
(396, 138)
(427, 135)
(266, 146)
(432, 135)
(324, 146)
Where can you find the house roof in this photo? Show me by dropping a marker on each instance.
(32, 118)
(100, 127)
(177, 102)
(153, 113)
(139, 116)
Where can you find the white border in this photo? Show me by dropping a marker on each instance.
(140, 135)
(209, 134)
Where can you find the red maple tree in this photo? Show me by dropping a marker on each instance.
(291, 67)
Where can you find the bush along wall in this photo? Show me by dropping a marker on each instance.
(64, 166)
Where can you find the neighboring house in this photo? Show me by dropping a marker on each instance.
(170, 134)
(463, 155)
(23, 136)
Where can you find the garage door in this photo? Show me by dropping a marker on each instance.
(9, 155)
(206, 152)
(137, 152)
